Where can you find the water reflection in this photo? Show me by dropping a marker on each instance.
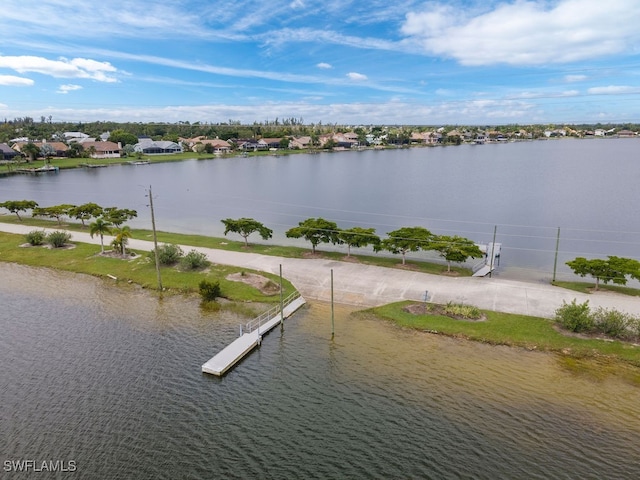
(111, 377)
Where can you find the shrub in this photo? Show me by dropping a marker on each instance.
(575, 317)
(194, 260)
(35, 237)
(634, 327)
(464, 311)
(209, 291)
(58, 239)
(612, 323)
(167, 254)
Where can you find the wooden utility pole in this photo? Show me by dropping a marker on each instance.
(155, 240)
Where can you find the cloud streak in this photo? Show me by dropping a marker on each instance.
(61, 68)
(526, 32)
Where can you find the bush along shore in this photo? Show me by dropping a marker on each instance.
(181, 273)
(591, 352)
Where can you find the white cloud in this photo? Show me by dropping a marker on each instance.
(324, 65)
(614, 90)
(575, 78)
(68, 88)
(61, 68)
(13, 81)
(527, 32)
(356, 77)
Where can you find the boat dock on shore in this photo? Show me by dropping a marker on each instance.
(251, 336)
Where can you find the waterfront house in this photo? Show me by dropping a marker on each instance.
(7, 153)
(156, 147)
(59, 147)
(300, 142)
(102, 149)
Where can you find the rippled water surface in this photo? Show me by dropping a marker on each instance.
(110, 377)
(524, 190)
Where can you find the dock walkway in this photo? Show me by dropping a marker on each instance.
(251, 336)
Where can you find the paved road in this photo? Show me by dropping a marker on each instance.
(367, 285)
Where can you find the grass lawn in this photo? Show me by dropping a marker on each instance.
(84, 258)
(585, 287)
(595, 356)
(238, 246)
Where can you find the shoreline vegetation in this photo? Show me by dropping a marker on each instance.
(593, 357)
(596, 358)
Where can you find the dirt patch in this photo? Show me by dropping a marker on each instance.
(312, 255)
(114, 254)
(67, 246)
(435, 309)
(266, 286)
(450, 274)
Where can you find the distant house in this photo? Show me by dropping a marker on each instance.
(74, 136)
(270, 142)
(59, 147)
(7, 153)
(425, 138)
(626, 134)
(219, 146)
(156, 147)
(345, 140)
(103, 149)
(250, 144)
(300, 142)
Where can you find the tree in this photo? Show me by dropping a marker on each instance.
(100, 227)
(31, 150)
(455, 249)
(56, 211)
(122, 236)
(86, 211)
(118, 216)
(614, 269)
(123, 137)
(17, 206)
(284, 143)
(315, 230)
(245, 227)
(406, 239)
(47, 151)
(76, 150)
(358, 237)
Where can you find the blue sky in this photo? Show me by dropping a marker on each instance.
(468, 62)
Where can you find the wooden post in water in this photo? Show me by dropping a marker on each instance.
(155, 240)
(555, 260)
(333, 328)
(281, 302)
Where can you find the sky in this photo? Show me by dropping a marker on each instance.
(351, 62)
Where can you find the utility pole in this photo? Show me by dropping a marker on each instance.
(555, 260)
(155, 239)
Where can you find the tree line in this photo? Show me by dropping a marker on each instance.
(107, 220)
(402, 241)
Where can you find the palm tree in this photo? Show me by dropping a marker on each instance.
(100, 227)
(31, 150)
(122, 238)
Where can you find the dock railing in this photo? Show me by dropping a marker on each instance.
(268, 315)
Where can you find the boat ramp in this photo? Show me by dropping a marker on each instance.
(491, 259)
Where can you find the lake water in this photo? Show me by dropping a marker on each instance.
(109, 378)
(527, 190)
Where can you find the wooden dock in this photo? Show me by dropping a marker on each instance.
(251, 336)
